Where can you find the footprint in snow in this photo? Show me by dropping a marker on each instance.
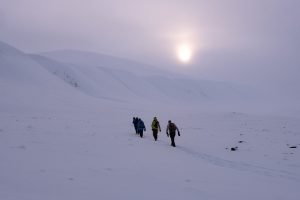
(29, 127)
(108, 169)
(22, 147)
(188, 180)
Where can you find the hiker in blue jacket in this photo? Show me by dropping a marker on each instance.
(141, 127)
(135, 122)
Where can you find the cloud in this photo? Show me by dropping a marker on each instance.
(234, 40)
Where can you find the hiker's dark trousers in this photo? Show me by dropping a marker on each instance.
(140, 131)
(172, 136)
(155, 132)
(135, 128)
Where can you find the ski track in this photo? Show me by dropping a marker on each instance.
(241, 166)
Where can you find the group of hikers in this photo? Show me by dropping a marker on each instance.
(140, 127)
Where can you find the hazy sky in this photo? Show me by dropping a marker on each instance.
(256, 41)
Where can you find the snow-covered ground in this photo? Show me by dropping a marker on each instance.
(61, 141)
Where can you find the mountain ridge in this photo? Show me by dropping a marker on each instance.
(118, 81)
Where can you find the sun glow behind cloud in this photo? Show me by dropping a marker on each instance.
(184, 53)
(185, 42)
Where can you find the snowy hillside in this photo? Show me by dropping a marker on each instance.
(66, 134)
(95, 59)
(25, 84)
(148, 82)
(101, 82)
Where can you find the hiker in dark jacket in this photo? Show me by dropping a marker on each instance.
(171, 131)
(135, 121)
(141, 127)
(155, 128)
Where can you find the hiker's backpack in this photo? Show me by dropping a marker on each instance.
(172, 127)
(155, 124)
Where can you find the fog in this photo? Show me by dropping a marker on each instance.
(255, 42)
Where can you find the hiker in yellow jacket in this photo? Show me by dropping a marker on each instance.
(155, 128)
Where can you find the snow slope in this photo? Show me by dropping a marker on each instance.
(100, 82)
(148, 82)
(57, 141)
(95, 59)
(78, 155)
(25, 84)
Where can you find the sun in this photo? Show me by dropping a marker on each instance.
(184, 53)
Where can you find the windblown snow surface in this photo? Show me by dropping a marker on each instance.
(66, 133)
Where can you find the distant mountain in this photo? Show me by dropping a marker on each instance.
(101, 82)
(110, 78)
(16, 65)
(163, 84)
(100, 60)
(26, 84)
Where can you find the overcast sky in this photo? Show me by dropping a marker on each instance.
(254, 41)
